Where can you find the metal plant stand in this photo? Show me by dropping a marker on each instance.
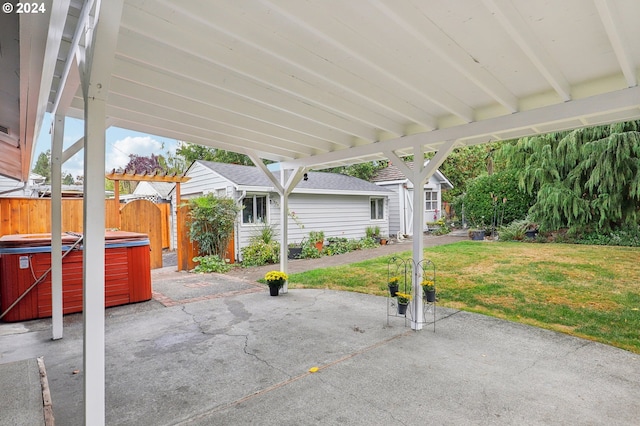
(403, 269)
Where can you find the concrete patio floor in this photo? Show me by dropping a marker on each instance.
(220, 350)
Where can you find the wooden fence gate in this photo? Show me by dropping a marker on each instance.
(145, 217)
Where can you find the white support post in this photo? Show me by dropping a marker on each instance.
(419, 177)
(418, 180)
(93, 260)
(96, 63)
(284, 237)
(57, 138)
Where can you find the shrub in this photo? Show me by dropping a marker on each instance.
(629, 237)
(211, 263)
(483, 201)
(309, 250)
(259, 253)
(211, 220)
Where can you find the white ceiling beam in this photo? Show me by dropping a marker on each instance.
(125, 106)
(573, 110)
(610, 18)
(424, 30)
(268, 47)
(164, 125)
(129, 95)
(210, 118)
(176, 38)
(202, 62)
(245, 108)
(70, 78)
(365, 60)
(518, 29)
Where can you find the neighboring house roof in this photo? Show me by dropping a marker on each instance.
(162, 189)
(318, 182)
(393, 173)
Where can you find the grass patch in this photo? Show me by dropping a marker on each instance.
(587, 291)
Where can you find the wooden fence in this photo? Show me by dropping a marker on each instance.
(33, 216)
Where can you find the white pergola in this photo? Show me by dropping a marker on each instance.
(312, 85)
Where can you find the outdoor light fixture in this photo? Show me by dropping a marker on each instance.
(305, 176)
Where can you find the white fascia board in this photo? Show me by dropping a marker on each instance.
(340, 192)
(250, 188)
(391, 182)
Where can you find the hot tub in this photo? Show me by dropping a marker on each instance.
(26, 257)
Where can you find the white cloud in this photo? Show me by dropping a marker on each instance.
(143, 146)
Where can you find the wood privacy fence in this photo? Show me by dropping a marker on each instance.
(33, 216)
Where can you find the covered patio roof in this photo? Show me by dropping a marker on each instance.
(324, 83)
(311, 84)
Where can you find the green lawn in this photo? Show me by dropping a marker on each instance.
(586, 291)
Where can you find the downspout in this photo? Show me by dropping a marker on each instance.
(236, 244)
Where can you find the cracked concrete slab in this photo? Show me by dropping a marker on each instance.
(245, 359)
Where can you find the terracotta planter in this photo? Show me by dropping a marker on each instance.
(319, 245)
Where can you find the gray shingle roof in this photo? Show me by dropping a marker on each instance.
(252, 176)
(392, 172)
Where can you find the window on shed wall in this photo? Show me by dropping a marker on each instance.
(377, 208)
(254, 209)
(431, 200)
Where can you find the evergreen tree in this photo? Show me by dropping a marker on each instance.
(584, 180)
(43, 165)
(192, 152)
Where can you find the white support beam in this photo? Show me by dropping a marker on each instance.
(518, 29)
(96, 65)
(565, 112)
(57, 138)
(72, 150)
(434, 39)
(70, 76)
(609, 17)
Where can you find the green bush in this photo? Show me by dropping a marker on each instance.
(629, 237)
(309, 250)
(211, 220)
(259, 253)
(483, 201)
(211, 263)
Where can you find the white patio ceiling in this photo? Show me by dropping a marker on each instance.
(328, 82)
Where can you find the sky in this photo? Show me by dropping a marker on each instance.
(119, 144)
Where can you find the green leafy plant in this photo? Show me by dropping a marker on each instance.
(309, 250)
(211, 220)
(211, 263)
(372, 231)
(316, 236)
(264, 233)
(428, 285)
(259, 253)
(403, 298)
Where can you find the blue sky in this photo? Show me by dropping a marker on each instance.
(120, 143)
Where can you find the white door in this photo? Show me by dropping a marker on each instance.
(407, 225)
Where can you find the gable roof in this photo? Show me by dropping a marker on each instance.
(318, 182)
(393, 173)
(163, 189)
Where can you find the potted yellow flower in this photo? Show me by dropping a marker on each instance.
(403, 302)
(275, 280)
(429, 290)
(393, 285)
